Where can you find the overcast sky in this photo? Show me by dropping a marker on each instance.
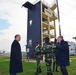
(13, 20)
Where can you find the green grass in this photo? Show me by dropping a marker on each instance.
(30, 68)
(72, 56)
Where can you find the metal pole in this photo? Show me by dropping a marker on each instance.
(58, 18)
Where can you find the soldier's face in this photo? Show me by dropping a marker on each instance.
(36, 44)
(46, 41)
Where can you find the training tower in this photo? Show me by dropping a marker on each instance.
(41, 23)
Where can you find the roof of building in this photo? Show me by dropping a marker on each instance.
(30, 5)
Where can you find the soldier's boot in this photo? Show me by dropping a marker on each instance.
(37, 72)
(40, 71)
(49, 73)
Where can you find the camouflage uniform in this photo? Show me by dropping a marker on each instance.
(38, 58)
(47, 49)
(55, 67)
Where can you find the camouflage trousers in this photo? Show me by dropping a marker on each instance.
(38, 69)
(55, 67)
(48, 65)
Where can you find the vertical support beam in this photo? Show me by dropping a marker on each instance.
(54, 28)
(58, 17)
(49, 28)
(41, 27)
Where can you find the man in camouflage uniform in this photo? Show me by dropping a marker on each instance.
(38, 58)
(47, 50)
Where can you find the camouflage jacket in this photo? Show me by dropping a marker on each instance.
(47, 50)
(38, 51)
(54, 50)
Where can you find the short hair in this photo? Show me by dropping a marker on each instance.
(60, 37)
(46, 38)
(16, 35)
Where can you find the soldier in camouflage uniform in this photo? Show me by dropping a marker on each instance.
(38, 58)
(47, 50)
(55, 67)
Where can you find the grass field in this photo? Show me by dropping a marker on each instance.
(29, 68)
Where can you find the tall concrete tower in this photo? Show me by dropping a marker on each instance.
(40, 24)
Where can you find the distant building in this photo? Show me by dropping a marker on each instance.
(2, 53)
(7, 54)
(72, 48)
